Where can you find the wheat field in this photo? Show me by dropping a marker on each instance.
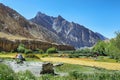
(92, 63)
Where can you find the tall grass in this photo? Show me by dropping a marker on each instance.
(26, 75)
(6, 73)
(95, 76)
(76, 72)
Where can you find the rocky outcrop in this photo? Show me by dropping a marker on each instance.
(8, 45)
(47, 68)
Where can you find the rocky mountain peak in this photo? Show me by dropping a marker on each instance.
(69, 32)
(60, 18)
(11, 22)
(46, 28)
(40, 14)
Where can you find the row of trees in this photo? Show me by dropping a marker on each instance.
(21, 48)
(109, 48)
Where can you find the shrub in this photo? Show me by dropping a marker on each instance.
(52, 50)
(21, 48)
(27, 51)
(41, 51)
(38, 51)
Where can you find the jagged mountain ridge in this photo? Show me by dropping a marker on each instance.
(15, 29)
(12, 23)
(48, 28)
(69, 32)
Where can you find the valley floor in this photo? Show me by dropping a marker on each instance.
(106, 65)
(79, 61)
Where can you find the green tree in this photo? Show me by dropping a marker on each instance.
(114, 49)
(21, 48)
(100, 47)
(52, 50)
(117, 40)
(27, 51)
(39, 51)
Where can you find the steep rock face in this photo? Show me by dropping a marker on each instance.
(10, 22)
(8, 45)
(13, 23)
(43, 20)
(69, 32)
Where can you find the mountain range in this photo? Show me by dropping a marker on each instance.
(45, 28)
(69, 32)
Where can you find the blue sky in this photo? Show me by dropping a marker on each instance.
(101, 16)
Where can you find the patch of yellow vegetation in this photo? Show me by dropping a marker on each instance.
(80, 61)
(11, 55)
(11, 37)
(106, 65)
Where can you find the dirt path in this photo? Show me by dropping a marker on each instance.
(106, 65)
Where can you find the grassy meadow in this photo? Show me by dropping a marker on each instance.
(75, 68)
(100, 62)
(65, 72)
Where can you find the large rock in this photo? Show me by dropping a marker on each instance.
(47, 68)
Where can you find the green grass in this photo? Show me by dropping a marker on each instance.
(84, 69)
(75, 72)
(105, 59)
(6, 73)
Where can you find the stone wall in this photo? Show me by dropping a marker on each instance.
(8, 45)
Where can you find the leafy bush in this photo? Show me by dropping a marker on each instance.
(27, 51)
(110, 48)
(21, 48)
(52, 50)
(39, 51)
(100, 48)
(31, 56)
(6, 73)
